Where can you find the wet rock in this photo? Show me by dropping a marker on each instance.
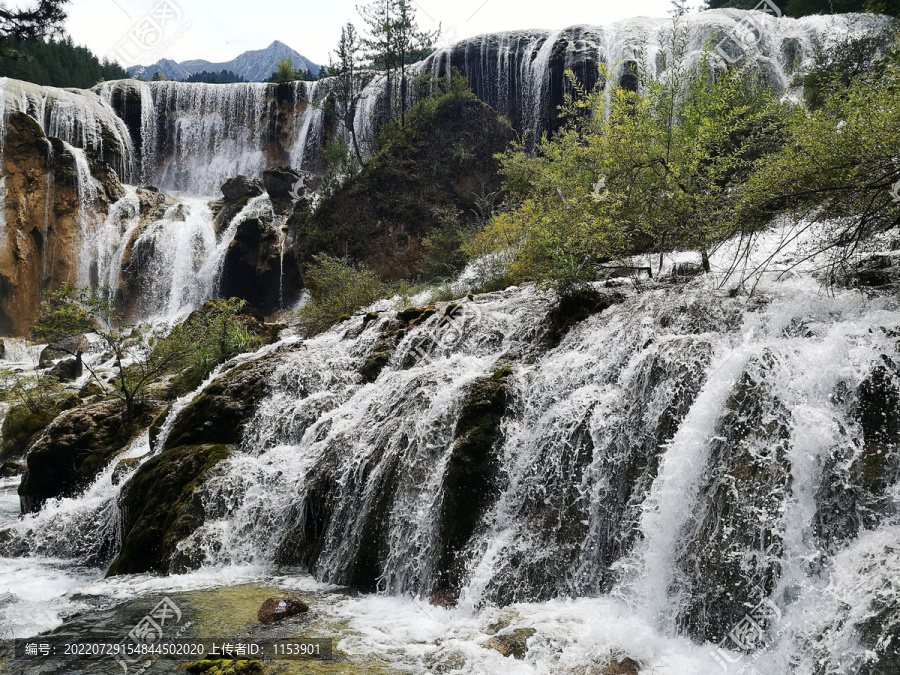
(218, 415)
(160, 506)
(686, 270)
(90, 389)
(277, 609)
(280, 181)
(21, 427)
(2, 349)
(68, 346)
(855, 492)
(241, 186)
(259, 268)
(124, 467)
(577, 307)
(73, 450)
(746, 483)
(878, 270)
(68, 370)
(11, 468)
(383, 216)
(470, 479)
(626, 666)
(514, 643)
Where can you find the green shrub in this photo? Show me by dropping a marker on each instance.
(337, 289)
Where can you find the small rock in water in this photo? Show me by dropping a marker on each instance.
(276, 609)
(8, 599)
(513, 644)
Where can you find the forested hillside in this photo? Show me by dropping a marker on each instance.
(58, 63)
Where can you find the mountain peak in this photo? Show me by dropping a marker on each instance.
(253, 65)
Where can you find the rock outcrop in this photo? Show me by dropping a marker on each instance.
(436, 173)
(44, 220)
(73, 450)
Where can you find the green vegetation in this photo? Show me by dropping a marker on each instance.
(145, 355)
(57, 63)
(337, 289)
(696, 156)
(287, 73)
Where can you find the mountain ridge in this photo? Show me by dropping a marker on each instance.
(253, 65)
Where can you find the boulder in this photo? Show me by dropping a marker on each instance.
(2, 349)
(68, 370)
(161, 506)
(72, 451)
(878, 270)
(241, 186)
(626, 666)
(218, 415)
(260, 268)
(68, 346)
(21, 427)
(277, 609)
(11, 468)
(280, 182)
(470, 479)
(513, 643)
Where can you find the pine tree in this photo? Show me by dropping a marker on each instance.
(348, 81)
(30, 23)
(395, 41)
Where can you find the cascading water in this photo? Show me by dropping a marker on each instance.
(79, 118)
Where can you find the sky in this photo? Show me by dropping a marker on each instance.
(219, 30)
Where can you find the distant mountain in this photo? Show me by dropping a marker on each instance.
(253, 66)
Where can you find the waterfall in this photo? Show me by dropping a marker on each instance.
(672, 453)
(79, 118)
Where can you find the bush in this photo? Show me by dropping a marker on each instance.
(337, 289)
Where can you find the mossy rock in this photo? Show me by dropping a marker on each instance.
(470, 480)
(575, 308)
(74, 449)
(161, 506)
(20, 427)
(514, 643)
(218, 415)
(224, 667)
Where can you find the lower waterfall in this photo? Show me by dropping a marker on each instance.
(673, 464)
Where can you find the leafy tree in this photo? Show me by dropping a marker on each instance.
(221, 77)
(36, 391)
(642, 171)
(839, 170)
(159, 76)
(139, 356)
(209, 337)
(395, 41)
